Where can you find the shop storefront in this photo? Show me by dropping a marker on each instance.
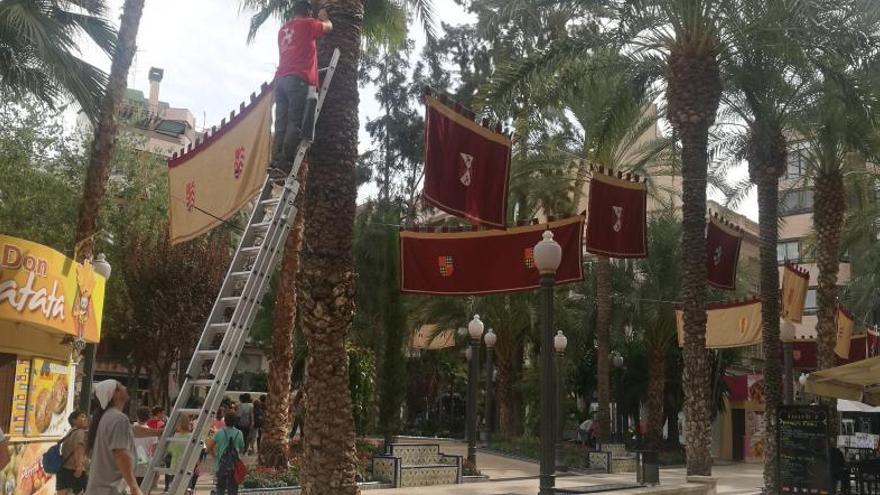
(50, 306)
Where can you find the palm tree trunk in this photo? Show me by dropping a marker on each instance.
(766, 156)
(327, 272)
(654, 401)
(276, 427)
(693, 92)
(603, 349)
(508, 393)
(830, 207)
(105, 131)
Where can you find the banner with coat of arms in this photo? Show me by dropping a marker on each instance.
(846, 322)
(211, 181)
(728, 324)
(795, 281)
(485, 262)
(466, 165)
(617, 225)
(723, 241)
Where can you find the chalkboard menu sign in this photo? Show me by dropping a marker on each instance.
(804, 457)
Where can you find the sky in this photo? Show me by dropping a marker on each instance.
(210, 68)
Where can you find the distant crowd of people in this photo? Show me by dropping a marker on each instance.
(112, 456)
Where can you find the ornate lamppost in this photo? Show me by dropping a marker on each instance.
(475, 331)
(560, 342)
(489, 339)
(103, 268)
(548, 255)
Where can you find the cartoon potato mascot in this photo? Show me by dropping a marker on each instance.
(82, 303)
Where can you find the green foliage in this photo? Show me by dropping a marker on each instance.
(39, 48)
(262, 477)
(361, 385)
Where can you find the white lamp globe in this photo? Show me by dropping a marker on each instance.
(102, 267)
(803, 379)
(617, 360)
(490, 338)
(547, 253)
(560, 342)
(475, 328)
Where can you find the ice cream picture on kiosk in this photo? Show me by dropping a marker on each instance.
(49, 307)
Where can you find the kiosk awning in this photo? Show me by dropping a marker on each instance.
(859, 381)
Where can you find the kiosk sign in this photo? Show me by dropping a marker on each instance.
(41, 287)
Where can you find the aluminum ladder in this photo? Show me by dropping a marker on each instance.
(216, 355)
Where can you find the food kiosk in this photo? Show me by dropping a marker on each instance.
(50, 307)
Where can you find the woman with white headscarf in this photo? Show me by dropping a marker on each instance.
(111, 443)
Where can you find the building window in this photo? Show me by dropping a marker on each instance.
(796, 163)
(793, 202)
(788, 251)
(810, 305)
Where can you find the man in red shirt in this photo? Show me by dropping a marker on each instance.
(297, 72)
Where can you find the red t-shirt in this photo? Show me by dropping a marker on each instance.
(156, 424)
(297, 51)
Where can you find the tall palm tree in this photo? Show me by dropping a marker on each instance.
(105, 130)
(39, 45)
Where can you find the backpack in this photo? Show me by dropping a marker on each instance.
(230, 463)
(52, 459)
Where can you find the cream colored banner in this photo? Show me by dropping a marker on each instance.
(734, 324)
(211, 182)
(845, 325)
(794, 292)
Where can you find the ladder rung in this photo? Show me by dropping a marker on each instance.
(218, 326)
(179, 439)
(261, 225)
(202, 382)
(191, 411)
(251, 250)
(207, 353)
(270, 202)
(165, 470)
(239, 275)
(230, 301)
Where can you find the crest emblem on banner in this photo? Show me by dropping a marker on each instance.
(717, 257)
(238, 163)
(190, 195)
(446, 265)
(465, 170)
(618, 218)
(529, 257)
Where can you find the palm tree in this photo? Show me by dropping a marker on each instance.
(38, 50)
(105, 130)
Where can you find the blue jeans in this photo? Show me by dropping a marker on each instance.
(290, 103)
(225, 484)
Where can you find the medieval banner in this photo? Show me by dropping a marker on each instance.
(804, 351)
(872, 342)
(845, 324)
(729, 324)
(466, 166)
(723, 241)
(794, 292)
(617, 224)
(207, 184)
(485, 262)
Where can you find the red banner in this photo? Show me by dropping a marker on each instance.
(723, 241)
(485, 262)
(804, 351)
(872, 343)
(466, 166)
(617, 225)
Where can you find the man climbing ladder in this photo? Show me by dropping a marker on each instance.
(296, 81)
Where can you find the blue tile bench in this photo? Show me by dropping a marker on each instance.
(417, 465)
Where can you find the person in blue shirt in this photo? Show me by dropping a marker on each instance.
(228, 438)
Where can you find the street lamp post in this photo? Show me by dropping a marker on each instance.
(617, 361)
(560, 342)
(103, 268)
(547, 255)
(475, 331)
(490, 338)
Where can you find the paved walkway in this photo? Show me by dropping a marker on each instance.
(515, 477)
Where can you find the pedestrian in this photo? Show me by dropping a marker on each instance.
(297, 72)
(4, 450)
(145, 447)
(246, 419)
(175, 450)
(225, 447)
(259, 416)
(111, 443)
(158, 419)
(73, 476)
(583, 432)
